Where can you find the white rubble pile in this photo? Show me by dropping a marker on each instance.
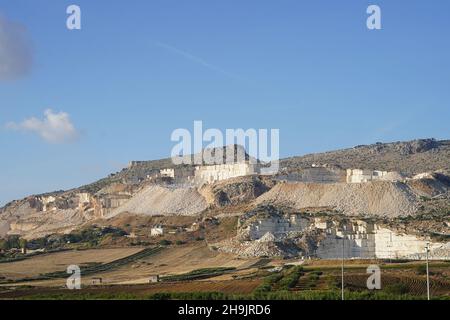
(381, 198)
(159, 200)
(265, 246)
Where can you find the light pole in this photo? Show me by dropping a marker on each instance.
(343, 255)
(427, 249)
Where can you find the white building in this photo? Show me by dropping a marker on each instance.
(167, 173)
(157, 231)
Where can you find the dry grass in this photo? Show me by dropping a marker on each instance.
(59, 261)
(228, 287)
(172, 261)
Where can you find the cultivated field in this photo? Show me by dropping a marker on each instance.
(196, 271)
(59, 261)
(173, 261)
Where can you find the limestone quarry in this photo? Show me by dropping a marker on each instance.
(306, 210)
(372, 199)
(269, 232)
(163, 200)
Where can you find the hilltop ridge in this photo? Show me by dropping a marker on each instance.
(409, 157)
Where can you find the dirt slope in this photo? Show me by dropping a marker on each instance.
(159, 200)
(375, 198)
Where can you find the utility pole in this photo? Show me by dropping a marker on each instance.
(343, 255)
(427, 249)
(390, 247)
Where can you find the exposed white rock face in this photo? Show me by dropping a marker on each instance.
(424, 175)
(41, 215)
(359, 176)
(369, 241)
(213, 173)
(268, 237)
(41, 223)
(277, 226)
(356, 239)
(84, 198)
(46, 202)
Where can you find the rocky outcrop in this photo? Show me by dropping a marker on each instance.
(237, 190)
(132, 191)
(326, 238)
(409, 157)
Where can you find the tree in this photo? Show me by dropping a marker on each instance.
(23, 243)
(3, 244)
(13, 242)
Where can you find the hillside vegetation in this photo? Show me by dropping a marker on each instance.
(411, 157)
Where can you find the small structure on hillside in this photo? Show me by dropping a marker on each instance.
(167, 173)
(96, 281)
(153, 279)
(156, 231)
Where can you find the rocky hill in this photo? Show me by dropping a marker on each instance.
(411, 157)
(131, 191)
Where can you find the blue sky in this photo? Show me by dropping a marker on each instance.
(139, 69)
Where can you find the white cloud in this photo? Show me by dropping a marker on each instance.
(54, 128)
(15, 50)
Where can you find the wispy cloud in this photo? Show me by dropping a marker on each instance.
(54, 128)
(15, 50)
(198, 60)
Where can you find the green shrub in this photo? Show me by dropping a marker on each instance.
(199, 274)
(165, 242)
(421, 269)
(291, 278)
(397, 289)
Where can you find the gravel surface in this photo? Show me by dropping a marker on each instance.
(372, 198)
(158, 200)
